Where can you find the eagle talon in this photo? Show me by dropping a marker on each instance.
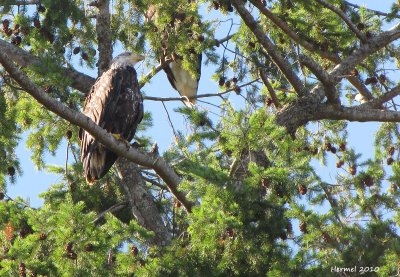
(120, 138)
(187, 101)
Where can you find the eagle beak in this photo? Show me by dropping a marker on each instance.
(138, 58)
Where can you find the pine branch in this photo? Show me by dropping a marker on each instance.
(371, 10)
(345, 18)
(310, 108)
(145, 79)
(268, 45)
(310, 46)
(167, 173)
(292, 34)
(79, 81)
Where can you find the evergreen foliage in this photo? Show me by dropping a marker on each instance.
(262, 208)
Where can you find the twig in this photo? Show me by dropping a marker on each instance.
(170, 122)
(155, 183)
(144, 79)
(371, 10)
(114, 208)
(66, 161)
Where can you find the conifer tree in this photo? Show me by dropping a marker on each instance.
(240, 194)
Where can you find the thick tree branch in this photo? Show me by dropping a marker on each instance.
(271, 49)
(327, 81)
(141, 201)
(103, 35)
(167, 173)
(374, 44)
(378, 102)
(356, 114)
(79, 81)
(345, 18)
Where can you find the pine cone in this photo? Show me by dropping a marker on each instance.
(134, 250)
(68, 246)
(302, 189)
(303, 227)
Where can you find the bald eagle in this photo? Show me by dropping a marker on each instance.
(182, 81)
(179, 78)
(115, 104)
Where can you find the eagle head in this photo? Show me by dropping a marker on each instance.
(126, 58)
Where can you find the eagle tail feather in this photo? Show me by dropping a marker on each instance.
(98, 162)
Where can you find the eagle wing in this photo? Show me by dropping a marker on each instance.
(115, 104)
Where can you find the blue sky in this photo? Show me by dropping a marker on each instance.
(33, 182)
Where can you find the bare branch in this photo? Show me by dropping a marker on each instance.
(225, 39)
(153, 72)
(198, 95)
(270, 89)
(79, 81)
(114, 208)
(103, 35)
(167, 173)
(154, 182)
(360, 86)
(271, 49)
(345, 18)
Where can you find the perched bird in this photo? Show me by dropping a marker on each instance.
(115, 104)
(182, 81)
(179, 78)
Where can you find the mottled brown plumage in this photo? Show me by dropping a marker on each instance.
(115, 104)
